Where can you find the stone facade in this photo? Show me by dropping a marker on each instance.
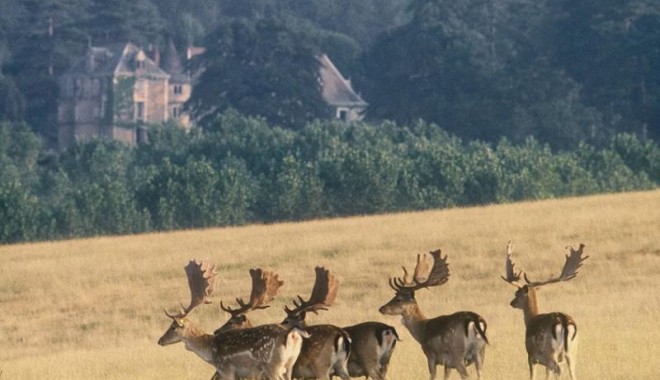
(116, 92)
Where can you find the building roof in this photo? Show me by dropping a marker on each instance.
(171, 63)
(336, 90)
(115, 59)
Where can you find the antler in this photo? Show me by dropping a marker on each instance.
(511, 276)
(265, 285)
(573, 263)
(323, 294)
(426, 274)
(201, 280)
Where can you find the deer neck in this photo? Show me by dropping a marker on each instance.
(199, 342)
(531, 309)
(414, 320)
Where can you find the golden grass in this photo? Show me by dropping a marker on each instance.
(93, 308)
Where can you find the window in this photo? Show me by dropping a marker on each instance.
(139, 64)
(178, 89)
(139, 111)
(343, 114)
(176, 112)
(77, 87)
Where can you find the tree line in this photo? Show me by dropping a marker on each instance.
(242, 170)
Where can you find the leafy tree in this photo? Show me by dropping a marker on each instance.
(47, 34)
(12, 103)
(259, 68)
(113, 21)
(611, 49)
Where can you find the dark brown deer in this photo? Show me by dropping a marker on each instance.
(372, 345)
(327, 350)
(550, 338)
(251, 352)
(453, 341)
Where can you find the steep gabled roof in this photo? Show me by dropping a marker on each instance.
(336, 90)
(115, 59)
(171, 63)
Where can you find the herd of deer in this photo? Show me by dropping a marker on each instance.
(294, 350)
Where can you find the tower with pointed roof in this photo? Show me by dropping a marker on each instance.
(180, 85)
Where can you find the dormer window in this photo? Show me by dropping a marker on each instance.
(140, 60)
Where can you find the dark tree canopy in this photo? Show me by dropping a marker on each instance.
(259, 68)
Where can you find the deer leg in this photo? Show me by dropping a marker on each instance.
(375, 375)
(447, 372)
(373, 372)
(432, 366)
(570, 362)
(479, 361)
(532, 369)
(460, 363)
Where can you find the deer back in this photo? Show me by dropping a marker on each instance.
(550, 334)
(372, 347)
(251, 351)
(325, 352)
(458, 335)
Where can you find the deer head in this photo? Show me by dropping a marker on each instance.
(323, 295)
(201, 280)
(525, 295)
(265, 285)
(431, 270)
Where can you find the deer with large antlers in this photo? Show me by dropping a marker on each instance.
(327, 350)
(552, 337)
(265, 285)
(453, 341)
(251, 352)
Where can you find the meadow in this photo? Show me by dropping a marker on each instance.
(93, 308)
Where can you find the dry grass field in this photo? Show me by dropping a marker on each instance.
(93, 308)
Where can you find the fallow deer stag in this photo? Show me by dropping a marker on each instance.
(454, 341)
(251, 352)
(265, 285)
(372, 345)
(549, 338)
(327, 350)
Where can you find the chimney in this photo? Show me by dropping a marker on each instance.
(90, 60)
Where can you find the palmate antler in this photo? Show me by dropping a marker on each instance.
(511, 276)
(573, 262)
(323, 295)
(201, 281)
(570, 271)
(265, 285)
(426, 273)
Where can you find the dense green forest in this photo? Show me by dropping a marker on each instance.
(470, 102)
(243, 170)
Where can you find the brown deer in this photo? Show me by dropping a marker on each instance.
(265, 285)
(327, 350)
(250, 352)
(372, 345)
(454, 341)
(549, 338)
